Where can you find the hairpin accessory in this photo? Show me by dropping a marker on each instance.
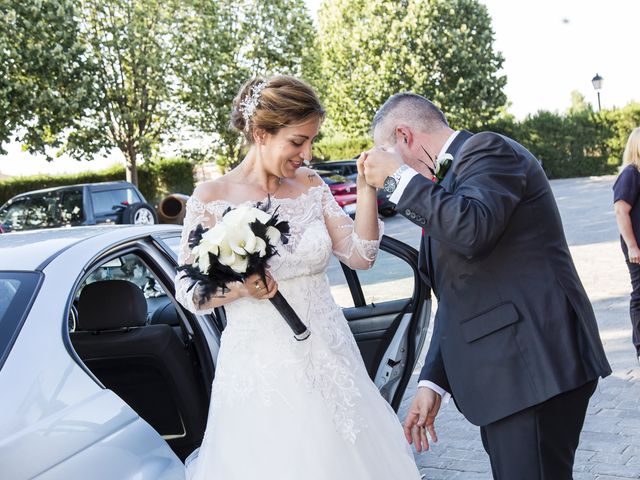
(250, 103)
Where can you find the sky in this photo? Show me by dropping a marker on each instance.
(551, 47)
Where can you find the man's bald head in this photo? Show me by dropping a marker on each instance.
(408, 109)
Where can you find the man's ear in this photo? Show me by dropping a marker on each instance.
(404, 135)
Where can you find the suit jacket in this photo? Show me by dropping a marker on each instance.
(514, 326)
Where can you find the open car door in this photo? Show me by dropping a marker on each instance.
(388, 309)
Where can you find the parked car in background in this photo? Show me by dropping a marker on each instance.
(105, 376)
(349, 170)
(343, 190)
(74, 205)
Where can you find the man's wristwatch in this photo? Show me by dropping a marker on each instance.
(391, 182)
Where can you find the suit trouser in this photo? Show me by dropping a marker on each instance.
(634, 304)
(540, 442)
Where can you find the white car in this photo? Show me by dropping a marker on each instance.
(103, 375)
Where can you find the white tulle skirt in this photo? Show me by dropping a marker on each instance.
(287, 410)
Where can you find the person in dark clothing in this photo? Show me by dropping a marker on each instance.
(626, 202)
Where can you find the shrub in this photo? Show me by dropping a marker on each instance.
(155, 180)
(340, 148)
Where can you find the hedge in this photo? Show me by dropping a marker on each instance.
(576, 144)
(155, 180)
(341, 148)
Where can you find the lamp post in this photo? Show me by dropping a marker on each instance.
(597, 84)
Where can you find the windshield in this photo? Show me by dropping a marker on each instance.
(17, 289)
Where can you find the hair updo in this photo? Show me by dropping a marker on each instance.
(284, 101)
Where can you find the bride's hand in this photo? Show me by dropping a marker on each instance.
(361, 181)
(256, 288)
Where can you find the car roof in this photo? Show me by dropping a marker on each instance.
(102, 185)
(335, 162)
(30, 249)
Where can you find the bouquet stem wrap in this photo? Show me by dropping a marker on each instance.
(300, 330)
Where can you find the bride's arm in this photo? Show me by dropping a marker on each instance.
(188, 294)
(367, 226)
(354, 244)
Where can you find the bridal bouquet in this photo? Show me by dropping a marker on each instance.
(235, 248)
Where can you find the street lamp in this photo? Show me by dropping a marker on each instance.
(597, 84)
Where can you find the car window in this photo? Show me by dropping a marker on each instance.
(129, 267)
(339, 287)
(105, 201)
(13, 216)
(390, 278)
(71, 210)
(173, 243)
(42, 211)
(16, 291)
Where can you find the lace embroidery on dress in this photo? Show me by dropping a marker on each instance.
(257, 344)
(353, 251)
(196, 214)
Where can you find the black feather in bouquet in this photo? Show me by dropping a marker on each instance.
(238, 246)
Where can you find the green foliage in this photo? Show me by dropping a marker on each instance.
(340, 148)
(44, 81)
(157, 179)
(578, 103)
(173, 175)
(223, 44)
(442, 49)
(131, 44)
(571, 145)
(621, 121)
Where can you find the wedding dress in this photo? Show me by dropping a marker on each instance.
(288, 410)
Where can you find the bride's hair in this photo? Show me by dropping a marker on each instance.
(273, 103)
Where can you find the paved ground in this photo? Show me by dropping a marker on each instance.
(610, 443)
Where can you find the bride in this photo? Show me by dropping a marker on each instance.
(283, 409)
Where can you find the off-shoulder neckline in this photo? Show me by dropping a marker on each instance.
(263, 200)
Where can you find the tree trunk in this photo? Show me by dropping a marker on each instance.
(131, 166)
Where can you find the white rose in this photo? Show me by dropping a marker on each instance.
(273, 234)
(261, 247)
(261, 215)
(242, 240)
(236, 217)
(201, 254)
(240, 265)
(244, 215)
(215, 235)
(226, 256)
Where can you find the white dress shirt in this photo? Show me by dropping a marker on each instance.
(405, 178)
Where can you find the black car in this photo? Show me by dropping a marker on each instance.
(349, 170)
(83, 204)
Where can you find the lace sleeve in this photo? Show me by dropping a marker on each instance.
(196, 213)
(348, 247)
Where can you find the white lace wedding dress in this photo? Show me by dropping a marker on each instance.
(288, 410)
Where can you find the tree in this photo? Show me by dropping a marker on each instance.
(442, 49)
(226, 42)
(44, 80)
(131, 47)
(578, 103)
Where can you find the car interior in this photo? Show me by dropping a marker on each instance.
(128, 333)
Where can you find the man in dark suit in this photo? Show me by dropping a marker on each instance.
(515, 339)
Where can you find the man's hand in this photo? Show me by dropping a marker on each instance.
(634, 254)
(421, 418)
(380, 164)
